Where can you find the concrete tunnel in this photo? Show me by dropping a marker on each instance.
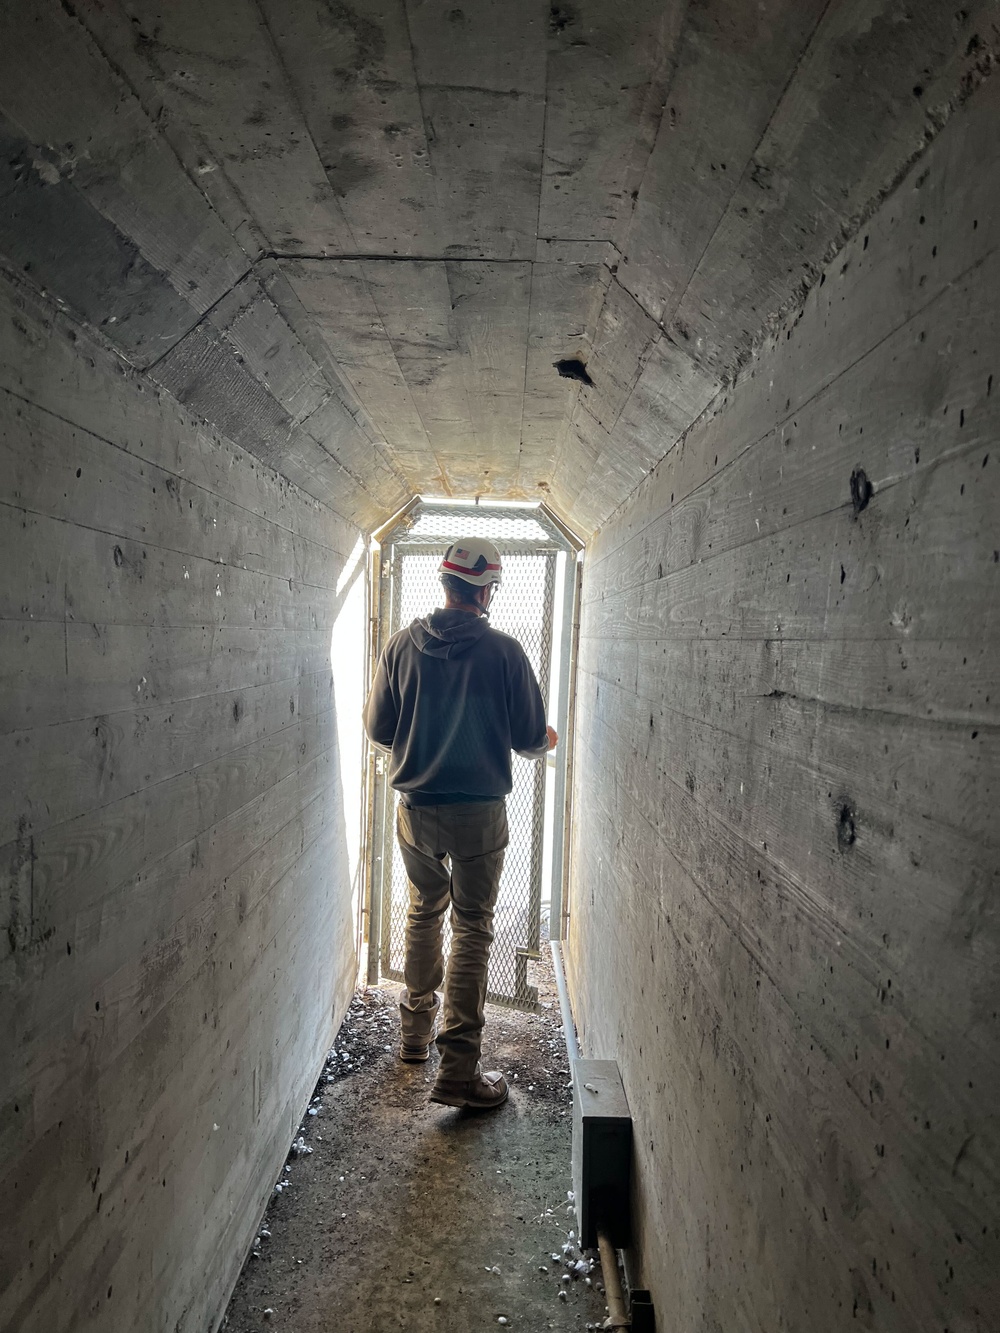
(271, 269)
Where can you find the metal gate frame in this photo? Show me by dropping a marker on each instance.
(389, 542)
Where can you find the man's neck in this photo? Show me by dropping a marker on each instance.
(449, 605)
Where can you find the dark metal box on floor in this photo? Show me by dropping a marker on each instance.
(602, 1152)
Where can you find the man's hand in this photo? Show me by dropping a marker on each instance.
(553, 737)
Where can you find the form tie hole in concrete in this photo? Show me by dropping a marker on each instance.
(861, 490)
(846, 830)
(560, 17)
(571, 368)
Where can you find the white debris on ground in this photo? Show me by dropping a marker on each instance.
(572, 1265)
(344, 1058)
(366, 1041)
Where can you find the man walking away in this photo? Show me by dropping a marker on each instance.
(452, 697)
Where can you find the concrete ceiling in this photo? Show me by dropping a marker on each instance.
(356, 238)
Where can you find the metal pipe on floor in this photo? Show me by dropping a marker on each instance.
(617, 1309)
(572, 1047)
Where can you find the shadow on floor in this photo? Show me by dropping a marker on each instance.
(416, 1217)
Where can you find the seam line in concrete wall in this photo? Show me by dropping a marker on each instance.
(222, 938)
(214, 759)
(172, 550)
(413, 402)
(296, 102)
(527, 359)
(901, 719)
(850, 227)
(751, 160)
(366, 256)
(126, 82)
(180, 476)
(883, 488)
(206, 315)
(153, 705)
(531, 271)
(783, 420)
(195, 427)
(734, 923)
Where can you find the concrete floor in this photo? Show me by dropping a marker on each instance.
(416, 1217)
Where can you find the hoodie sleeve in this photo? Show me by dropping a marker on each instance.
(526, 709)
(381, 716)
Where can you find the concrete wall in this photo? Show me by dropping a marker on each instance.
(177, 835)
(785, 847)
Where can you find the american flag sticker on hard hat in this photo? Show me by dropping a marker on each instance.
(462, 555)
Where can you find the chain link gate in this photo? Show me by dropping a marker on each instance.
(533, 552)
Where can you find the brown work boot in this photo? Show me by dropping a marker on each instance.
(481, 1093)
(413, 1055)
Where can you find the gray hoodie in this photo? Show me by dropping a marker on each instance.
(451, 698)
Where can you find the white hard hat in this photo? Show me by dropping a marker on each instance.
(473, 559)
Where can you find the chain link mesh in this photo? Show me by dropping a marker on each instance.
(523, 607)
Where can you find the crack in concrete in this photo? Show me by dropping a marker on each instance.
(248, 272)
(374, 258)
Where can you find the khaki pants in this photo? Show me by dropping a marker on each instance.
(472, 837)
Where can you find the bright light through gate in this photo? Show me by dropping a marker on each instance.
(532, 604)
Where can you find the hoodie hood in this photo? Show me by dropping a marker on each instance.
(448, 633)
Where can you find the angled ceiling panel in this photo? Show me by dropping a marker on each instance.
(508, 248)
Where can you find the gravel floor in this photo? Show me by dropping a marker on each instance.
(398, 1214)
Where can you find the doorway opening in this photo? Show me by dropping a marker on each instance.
(537, 604)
